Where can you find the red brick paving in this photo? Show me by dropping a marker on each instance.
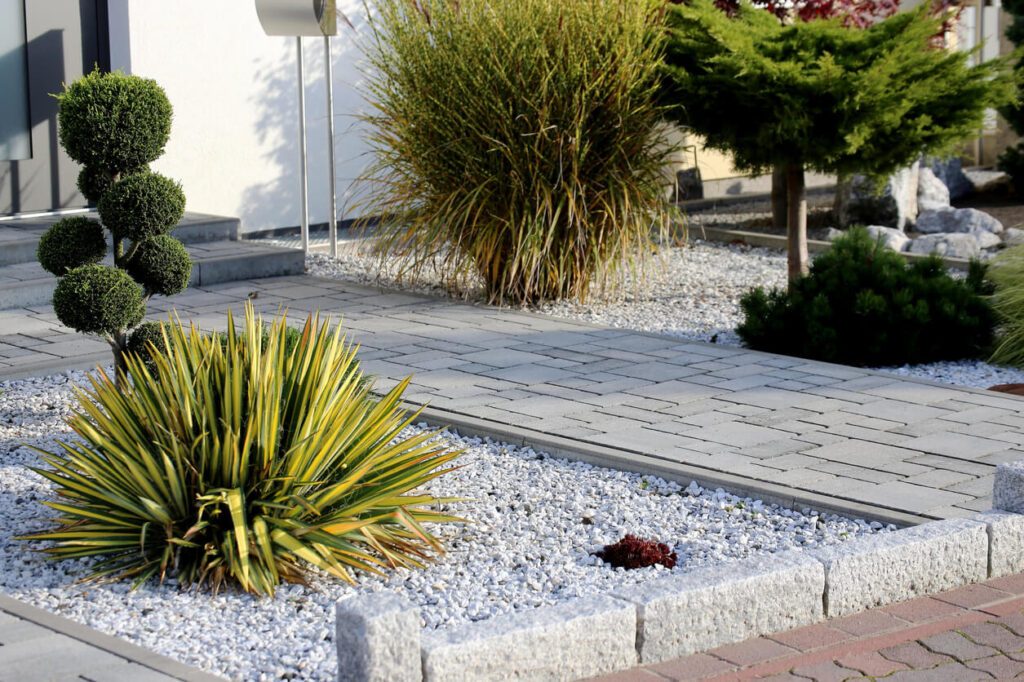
(972, 633)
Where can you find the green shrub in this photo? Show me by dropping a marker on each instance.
(144, 339)
(70, 243)
(862, 304)
(141, 206)
(93, 182)
(516, 140)
(161, 265)
(244, 464)
(1007, 273)
(113, 122)
(97, 299)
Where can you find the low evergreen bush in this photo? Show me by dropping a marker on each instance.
(863, 304)
(517, 140)
(242, 462)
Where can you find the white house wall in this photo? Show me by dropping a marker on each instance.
(234, 134)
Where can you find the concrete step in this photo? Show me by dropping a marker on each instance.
(27, 284)
(20, 236)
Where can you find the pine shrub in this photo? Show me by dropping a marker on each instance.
(863, 304)
(516, 140)
(241, 463)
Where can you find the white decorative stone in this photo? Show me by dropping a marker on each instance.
(932, 193)
(683, 614)
(378, 639)
(895, 206)
(832, 234)
(884, 569)
(1005, 542)
(1008, 488)
(892, 238)
(950, 245)
(986, 180)
(969, 220)
(581, 638)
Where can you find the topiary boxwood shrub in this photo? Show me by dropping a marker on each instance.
(863, 304)
(93, 182)
(71, 243)
(96, 299)
(161, 265)
(141, 206)
(140, 339)
(113, 121)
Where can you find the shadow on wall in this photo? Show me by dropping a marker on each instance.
(276, 204)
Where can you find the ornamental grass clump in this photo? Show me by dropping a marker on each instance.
(516, 141)
(863, 304)
(1007, 273)
(237, 462)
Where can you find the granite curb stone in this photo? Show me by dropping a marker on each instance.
(1005, 542)
(887, 568)
(679, 615)
(1008, 487)
(582, 638)
(378, 639)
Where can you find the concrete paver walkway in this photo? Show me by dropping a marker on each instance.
(780, 428)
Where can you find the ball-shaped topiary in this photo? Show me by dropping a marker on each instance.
(93, 182)
(114, 121)
(143, 339)
(71, 243)
(141, 206)
(161, 265)
(96, 299)
(863, 304)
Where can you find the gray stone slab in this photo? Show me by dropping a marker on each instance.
(886, 568)
(682, 614)
(378, 639)
(573, 640)
(1006, 542)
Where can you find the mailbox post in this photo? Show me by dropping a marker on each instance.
(307, 18)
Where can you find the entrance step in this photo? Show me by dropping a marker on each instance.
(218, 255)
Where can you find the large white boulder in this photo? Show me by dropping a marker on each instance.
(892, 238)
(896, 206)
(969, 220)
(932, 193)
(949, 244)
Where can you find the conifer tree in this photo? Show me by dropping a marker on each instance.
(816, 96)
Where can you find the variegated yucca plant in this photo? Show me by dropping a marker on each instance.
(236, 462)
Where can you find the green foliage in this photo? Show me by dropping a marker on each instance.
(113, 122)
(243, 463)
(1007, 273)
(141, 206)
(70, 243)
(96, 299)
(822, 96)
(93, 182)
(161, 265)
(862, 304)
(516, 140)
(144, 339)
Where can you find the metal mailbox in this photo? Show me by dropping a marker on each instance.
(298, 17)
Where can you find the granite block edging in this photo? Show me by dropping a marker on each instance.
(676, 615)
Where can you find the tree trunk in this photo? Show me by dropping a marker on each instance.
(779, 198)
(796, 226)
(118, 345)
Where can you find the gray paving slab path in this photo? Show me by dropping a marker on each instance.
(780, 428)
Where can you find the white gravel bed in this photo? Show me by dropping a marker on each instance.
(693, 293)
(535, 522)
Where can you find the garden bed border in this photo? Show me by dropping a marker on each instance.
(379, 635)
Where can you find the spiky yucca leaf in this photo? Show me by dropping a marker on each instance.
(239, 462)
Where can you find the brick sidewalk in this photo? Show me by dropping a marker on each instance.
(971, 633)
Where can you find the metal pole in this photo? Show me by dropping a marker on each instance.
(980, 145)
(332, 224)
(303, 198)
